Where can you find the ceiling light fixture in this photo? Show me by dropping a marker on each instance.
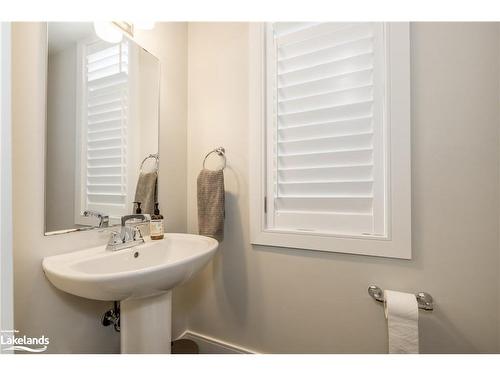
(108, 32)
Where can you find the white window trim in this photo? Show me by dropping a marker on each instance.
(398, 242)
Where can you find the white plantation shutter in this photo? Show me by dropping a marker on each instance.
(106, 116)
(326, 128)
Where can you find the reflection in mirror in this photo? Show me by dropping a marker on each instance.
(102, 123)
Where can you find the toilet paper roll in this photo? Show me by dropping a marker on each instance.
(401, 312)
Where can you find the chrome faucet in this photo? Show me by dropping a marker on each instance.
(128, 236)
(103, 219)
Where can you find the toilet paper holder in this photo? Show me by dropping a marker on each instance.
(424, 300)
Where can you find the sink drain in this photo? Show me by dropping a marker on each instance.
(136, 254)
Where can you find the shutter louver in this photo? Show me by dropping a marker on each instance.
(327, 137)
(106, 78)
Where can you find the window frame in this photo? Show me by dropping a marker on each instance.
(397, 243)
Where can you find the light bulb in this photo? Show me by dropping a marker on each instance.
(144, 25)
(108, 32)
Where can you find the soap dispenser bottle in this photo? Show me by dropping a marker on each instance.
(156, 230)
(143, 227)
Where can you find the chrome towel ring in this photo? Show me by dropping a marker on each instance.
(151, 156)
(221, 151)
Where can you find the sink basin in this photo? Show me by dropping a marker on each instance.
(140, 271)
(140, 277)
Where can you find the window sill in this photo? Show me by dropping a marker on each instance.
(382, 247)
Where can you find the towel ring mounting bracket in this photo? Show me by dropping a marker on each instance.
(221, 151)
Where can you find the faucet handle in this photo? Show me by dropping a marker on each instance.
(115, 238)
(137, 235)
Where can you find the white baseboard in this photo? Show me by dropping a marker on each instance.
(210, 345)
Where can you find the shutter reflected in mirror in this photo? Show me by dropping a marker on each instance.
(106, 113)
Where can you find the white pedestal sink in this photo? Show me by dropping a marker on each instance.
(141, 278)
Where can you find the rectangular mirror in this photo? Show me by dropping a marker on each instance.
(102, 127)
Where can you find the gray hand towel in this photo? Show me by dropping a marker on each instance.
(146, 191)
(211, 208)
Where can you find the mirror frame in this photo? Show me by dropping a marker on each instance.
(89, 228)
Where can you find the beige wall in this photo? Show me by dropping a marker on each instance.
(168, 42)
(284, 300)
(73, 323)
(61, 133)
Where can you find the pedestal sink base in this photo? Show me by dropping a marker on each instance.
(146, 325)
(134, 276)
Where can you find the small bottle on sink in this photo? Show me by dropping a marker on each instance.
(156, 230)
